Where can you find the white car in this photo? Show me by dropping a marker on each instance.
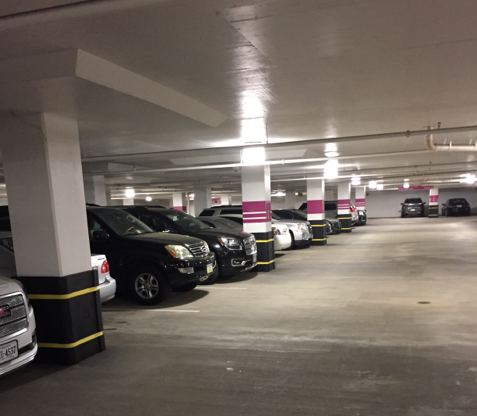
(99, 264)
(281, 235)
(18, 345)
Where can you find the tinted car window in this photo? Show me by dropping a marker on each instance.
(186, 221)
(231, 211)
(300, 215)
(156, 223)
(207, 213)
(283, 214)
(123, 223)
(237, 220)
(329, 206)
(413, 201)
(458, 201)
(228, 223)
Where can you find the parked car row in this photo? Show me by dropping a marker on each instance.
(453, 206)
(358, 216)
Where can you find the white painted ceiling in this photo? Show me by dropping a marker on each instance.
(300, 69)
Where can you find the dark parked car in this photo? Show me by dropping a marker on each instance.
(412, 206)
(235, 251)
(221, 222)
(146, 263)
(456, 206)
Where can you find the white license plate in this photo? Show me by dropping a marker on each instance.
(254, 257)
(8, 351)
(459, 206)
(412, 209)
(210, 268)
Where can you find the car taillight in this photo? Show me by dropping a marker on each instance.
(405, 203)
(450, 206)
(105, 267)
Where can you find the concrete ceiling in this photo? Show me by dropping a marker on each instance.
(206, 75)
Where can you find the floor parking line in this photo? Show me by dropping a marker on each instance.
(228, 288)
(153, 310)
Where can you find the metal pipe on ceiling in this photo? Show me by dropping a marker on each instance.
(344, 139)
(449, 147)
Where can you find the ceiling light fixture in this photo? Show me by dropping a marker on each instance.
(331, 169)
(373, 184)
(130, 193)
(470, 179)
(253, 155)
(148, 199)
(355, 180)
(405, 185)
(332, 154)
(379, 186)
(279, 193)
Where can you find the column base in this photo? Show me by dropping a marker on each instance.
(265, 252)
(69, 324)
(433, 211)
(345, 223)
(319, 232)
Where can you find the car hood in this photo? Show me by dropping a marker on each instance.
(291, 223)
(162, 238)
(218, 232)
(8, 286)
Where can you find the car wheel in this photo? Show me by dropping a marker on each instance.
(211, 278)
(186, 288)
(292, 240)
(148, 285)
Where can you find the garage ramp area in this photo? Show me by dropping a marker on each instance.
(377, 323)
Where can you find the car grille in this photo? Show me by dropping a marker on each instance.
(335, 227)
(198, 249)
(250, 245)
(18, 317)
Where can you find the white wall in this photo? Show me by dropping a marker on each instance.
(382, 204)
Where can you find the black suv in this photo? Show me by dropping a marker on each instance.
(412, 206)
(235, 251)
(146, 263)
(456, 206)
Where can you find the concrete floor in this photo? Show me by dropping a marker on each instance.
(335, 330)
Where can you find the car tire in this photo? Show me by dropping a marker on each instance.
(186, 288)
(211, 278)
(148, 285)
(292, 245)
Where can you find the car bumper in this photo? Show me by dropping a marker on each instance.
(233, 264)
(107, 289)
(27, 346)
(302, 238)
(182, 272)
(282, 242)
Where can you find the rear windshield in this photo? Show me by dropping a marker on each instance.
(458, 201)
(122, 222)
(207, 213)
(413, 201)
(231, 211)
(300, 215)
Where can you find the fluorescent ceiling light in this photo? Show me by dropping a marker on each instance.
(148, 199)
(470, 179)
(279, 193)
(406, 185)
(253, 155)
(355, 180)
(331, 147)
(332, 154)
(379, 186)
(373, 184)
(130, 193)
(331, 169)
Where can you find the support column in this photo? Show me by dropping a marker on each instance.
(433, 203)
(315, 190)
(257, 213)
(290, 200)
(179, 201)
(95, 190)
(42, 165)
(344, 214)
(360, 199)
(202, 198)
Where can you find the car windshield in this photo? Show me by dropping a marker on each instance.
(300, 215)
(186, 222)
(122, 222)
(413, 201)
(227, 223)
(458, 201)
(276, 217)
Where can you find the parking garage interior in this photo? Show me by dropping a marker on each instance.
(263, 105)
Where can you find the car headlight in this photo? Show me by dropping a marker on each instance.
(179, 252)
(303, 226)
(230, 242)
(276, 231)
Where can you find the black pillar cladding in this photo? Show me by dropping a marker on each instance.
(433, 210)
(345, 221)
(68, 330)
(265, 251)
(319, 232)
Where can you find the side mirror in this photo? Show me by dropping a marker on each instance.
(402, 203)
(423, 203)
(100, 235)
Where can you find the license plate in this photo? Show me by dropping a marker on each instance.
(413, 209)
(8, 351)
(459, 206)
(210, 268)
(254, 257)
